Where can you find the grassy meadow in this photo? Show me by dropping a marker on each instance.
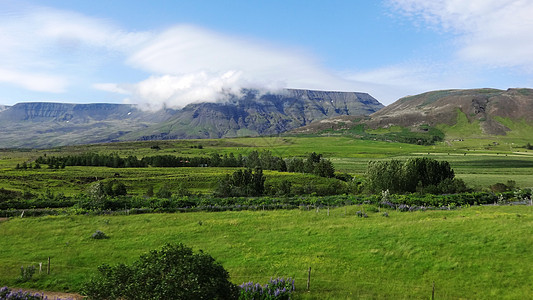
(470, 253)
(480, 162)
(478, 252)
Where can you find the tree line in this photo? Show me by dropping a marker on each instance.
(314, 163)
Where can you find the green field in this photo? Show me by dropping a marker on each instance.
(471, 253)
(479, 164)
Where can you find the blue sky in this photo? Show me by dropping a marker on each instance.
(156, 53)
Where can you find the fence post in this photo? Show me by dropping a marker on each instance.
(433, 292)
(48, 268)
(308, 278)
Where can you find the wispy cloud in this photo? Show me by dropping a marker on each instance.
(191, 64)
(45, 50)
(34, 81)
(410, 78)
(489, 32)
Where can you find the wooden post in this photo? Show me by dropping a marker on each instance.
(48, 268)
(433, 292)
(308, 278)
(328, 211)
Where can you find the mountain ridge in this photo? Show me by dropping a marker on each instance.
(48, 124)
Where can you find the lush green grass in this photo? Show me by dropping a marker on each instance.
(477, 252)
(473, 160)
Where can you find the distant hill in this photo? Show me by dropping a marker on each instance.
(456, 113)
(41, 124)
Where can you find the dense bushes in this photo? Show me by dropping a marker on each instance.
(242, 183)
(174, 272)
(139, 204)
(423, 175)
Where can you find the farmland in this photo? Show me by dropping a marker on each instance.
(477, 252)
(469, 252)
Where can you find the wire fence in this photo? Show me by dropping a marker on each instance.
(313, 285)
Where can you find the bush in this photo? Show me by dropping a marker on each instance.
(98, 235)
(26, 274)
(172, 273)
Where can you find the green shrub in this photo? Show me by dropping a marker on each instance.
(26, 274)
(98, 235)
(174, 272)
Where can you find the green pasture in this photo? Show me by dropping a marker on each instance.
(74, 180)
(470, 253)
(479, 162)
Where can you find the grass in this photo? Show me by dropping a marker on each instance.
(476, 252)
(473, 160)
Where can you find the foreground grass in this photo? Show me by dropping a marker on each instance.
(477, 252)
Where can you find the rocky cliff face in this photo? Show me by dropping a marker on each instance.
(259, 114)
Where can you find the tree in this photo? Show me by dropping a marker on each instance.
(96, 191)
(417, 174)
(175, 272)
(324, 168)
(164, 192)
(242, 183)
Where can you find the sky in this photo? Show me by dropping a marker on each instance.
(170, 53)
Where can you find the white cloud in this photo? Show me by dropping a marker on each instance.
(46, 50)
(183, 64)
(178, 91)
(193, 64)
(489, 32)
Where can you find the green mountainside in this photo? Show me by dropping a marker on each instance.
(439, 115)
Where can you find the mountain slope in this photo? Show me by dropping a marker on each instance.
(484, 108)
(453, 113)
(258, 114)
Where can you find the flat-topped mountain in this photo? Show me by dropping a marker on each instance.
(41, 124)
(256, 114)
